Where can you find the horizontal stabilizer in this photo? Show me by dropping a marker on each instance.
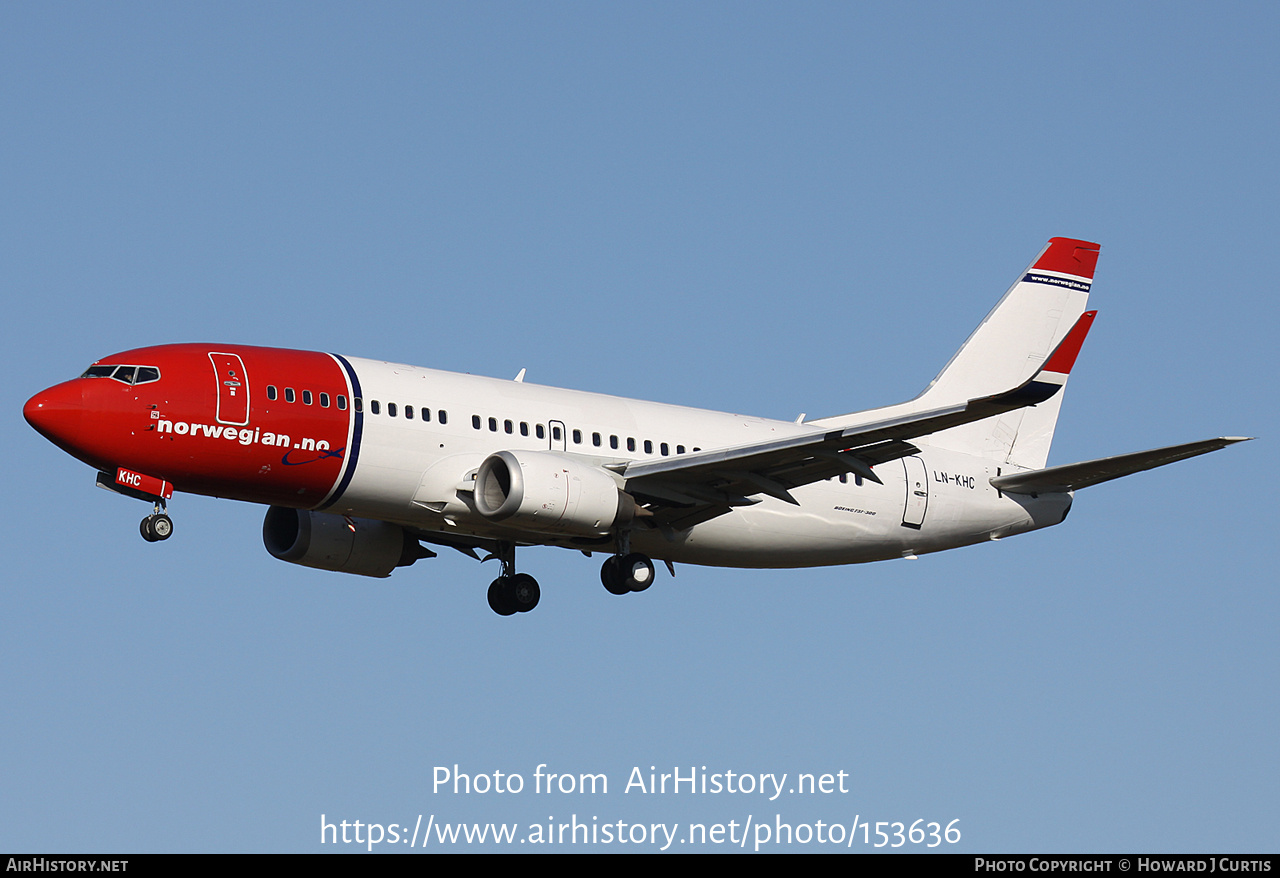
(1073, 476)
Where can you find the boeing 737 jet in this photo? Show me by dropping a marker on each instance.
(364, 465)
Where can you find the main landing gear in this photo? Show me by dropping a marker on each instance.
(627, 573)
(156, 526)
(512, 592)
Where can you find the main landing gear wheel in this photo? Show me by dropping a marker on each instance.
(626, 573)
(156, 527)
(509, 595)
(524, 592)
(499, 601)
(611, 576)
(512, 592)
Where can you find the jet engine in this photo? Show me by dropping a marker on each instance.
(327, 542)
(549, 493)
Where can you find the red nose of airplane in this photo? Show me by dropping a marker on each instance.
(57, 413)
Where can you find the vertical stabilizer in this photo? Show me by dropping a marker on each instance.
(1007, 348)
(1009, 345)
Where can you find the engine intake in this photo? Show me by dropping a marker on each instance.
(549, 493)
(324, 541)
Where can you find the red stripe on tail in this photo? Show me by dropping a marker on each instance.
(1069, 256)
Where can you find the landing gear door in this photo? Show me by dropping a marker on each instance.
(233, 389)
(917, 492)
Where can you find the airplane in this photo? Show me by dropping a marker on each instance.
(364, 465)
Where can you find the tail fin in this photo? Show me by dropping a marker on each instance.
(1009, 346)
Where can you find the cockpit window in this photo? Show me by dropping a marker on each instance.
(124, 374)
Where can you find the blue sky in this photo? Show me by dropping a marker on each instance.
(754, 207)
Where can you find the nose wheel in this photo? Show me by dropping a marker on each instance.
(156, 526)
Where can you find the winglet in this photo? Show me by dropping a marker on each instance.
(1052, 376)
(1064, 355)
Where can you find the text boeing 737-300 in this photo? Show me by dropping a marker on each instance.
(361, 462)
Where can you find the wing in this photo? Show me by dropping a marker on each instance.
(688, 490)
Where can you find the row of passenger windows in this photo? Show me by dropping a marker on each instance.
(375, 407)
(596, 439)
(442, 417)
(424, 413)
(307, 397)
(523, 428)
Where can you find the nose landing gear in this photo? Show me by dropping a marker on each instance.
(156, 526)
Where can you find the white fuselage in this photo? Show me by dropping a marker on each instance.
(409, 471)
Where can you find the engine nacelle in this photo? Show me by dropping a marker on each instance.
(549, 493)
(324, 541)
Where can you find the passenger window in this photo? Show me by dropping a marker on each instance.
(391, 410)
(288, 394)
(648, 446)
(408, 412)
(524, 428)
(555, 433)
(426, 413)
(271, 392)
(631, 444)
(613, 442)
(475, 421)
(508, 427)
(444, 416)
(493, 425)
(324, 400)
(306, 397)
(359, 404)
(541, 431)
(679, 449)
(595, 439)
(342, 402)
(577, 437)
(663, 449)
(374, 407)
